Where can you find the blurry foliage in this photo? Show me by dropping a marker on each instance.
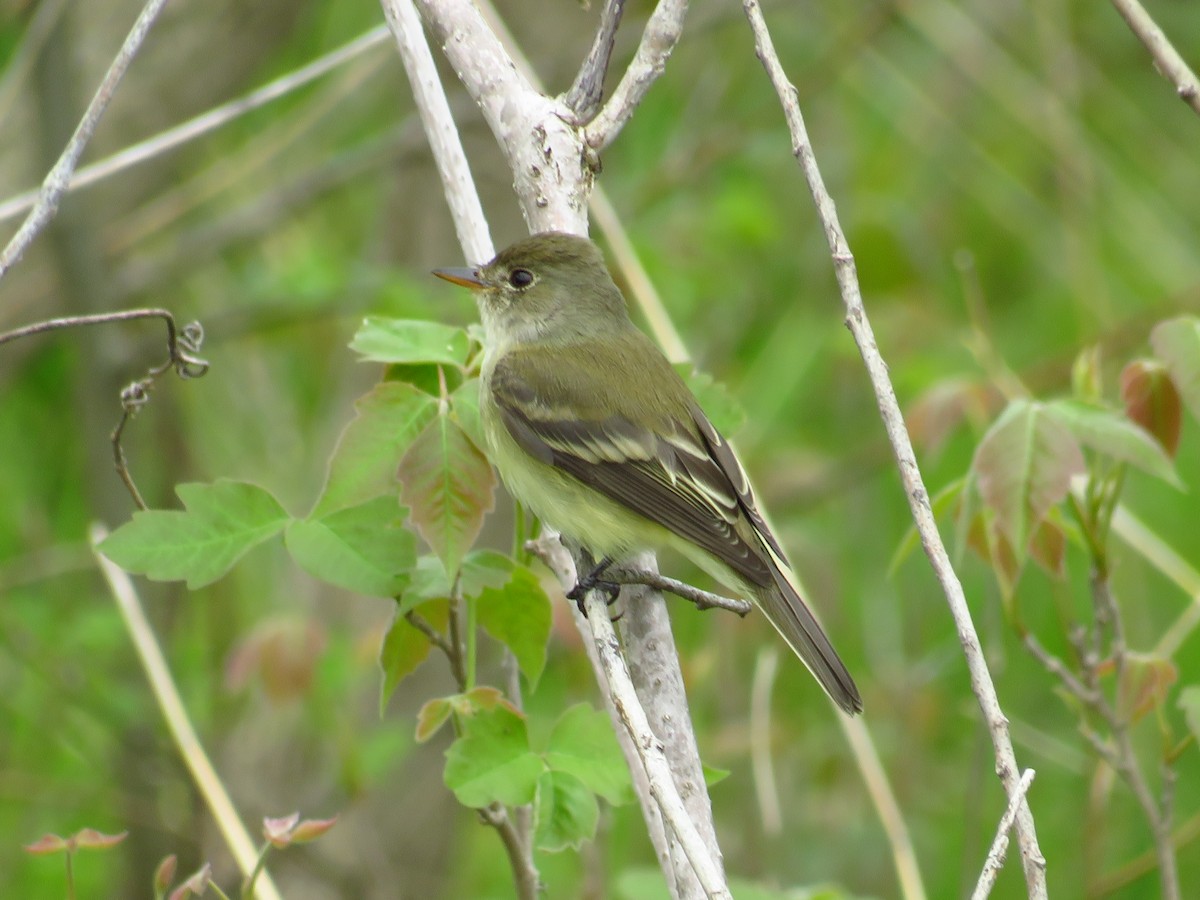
(1017, 171)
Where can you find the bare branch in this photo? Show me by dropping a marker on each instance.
(650, 751)
(658, 40)
(187, 742)
(995, 857)
(1166, 58)
(448, 153)
(918, 498)
(59, 177)
(584, 95)
(702, 599)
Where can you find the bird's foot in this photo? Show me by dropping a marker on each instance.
(592, 582)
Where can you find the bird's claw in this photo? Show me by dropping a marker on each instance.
(592, 582)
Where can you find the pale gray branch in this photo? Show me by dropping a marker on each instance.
(995, 857)
(708, 870)
(856, 319)
(585, 93)
(59, 177)
(448, 154)
(658, 40)
(1166, 58)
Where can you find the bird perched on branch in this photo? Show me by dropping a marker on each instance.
(593, 430)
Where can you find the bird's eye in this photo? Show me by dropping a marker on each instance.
(520, 278)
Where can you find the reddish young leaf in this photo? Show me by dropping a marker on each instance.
(1177, 343)
(1152, 400)
(46, 844)
(449, 487)
(1048, 547)
(164, 874)
(91, 839)
(279, 831)
(432, 716)
(311, 829)
(196, 884)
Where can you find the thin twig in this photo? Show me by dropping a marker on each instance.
(995, 857)
(183, 348)
(702, 599)
(206, 122)
(184, 735)
(662, 32)
(585, 93)
(59, 177)
(1166, 58)
(1032, 860)
(520, 857)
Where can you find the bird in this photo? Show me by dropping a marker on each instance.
(593, 430)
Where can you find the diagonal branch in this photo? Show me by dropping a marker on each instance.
(584, 95)
(59, 177)
(658, 40)
(918, 498)
(1166, 58)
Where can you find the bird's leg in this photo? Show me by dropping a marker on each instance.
(592, 581)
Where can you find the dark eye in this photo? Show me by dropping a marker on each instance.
(520, 278)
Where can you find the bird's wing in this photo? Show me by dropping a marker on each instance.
(673, 471)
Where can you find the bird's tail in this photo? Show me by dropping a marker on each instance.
(781, 604)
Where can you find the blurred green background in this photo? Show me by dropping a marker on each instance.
(1017, 168)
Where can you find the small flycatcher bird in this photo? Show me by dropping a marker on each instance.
(593, 430)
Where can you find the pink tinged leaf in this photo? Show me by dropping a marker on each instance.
(432, 716)
(449, 487)
(1048, 548)
(1152, 400)
(282, 653)
(91, 839)
(279, 830)
(1023, 467)
(196, 884)
(1177, 343)
(164, 874)
(311, 829)
(46, 844)
(1145, 681)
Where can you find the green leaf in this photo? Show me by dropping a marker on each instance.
(1189, 702)
(365, 548)
(464, 402)
(582, 743)
(518, 615)
(1023, 467)
(222, 522)
(492, 762)
(449, 487)
(714, 775)
(721, 407)
(1177, 343)
(1111, 433)
(363, 465)
(1151, 400)
(485, 569)
(404, 648)
(567, 812)
(409, 341)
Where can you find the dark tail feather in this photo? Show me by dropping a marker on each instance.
(784, 609)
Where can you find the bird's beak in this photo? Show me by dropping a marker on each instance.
(468, 278)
